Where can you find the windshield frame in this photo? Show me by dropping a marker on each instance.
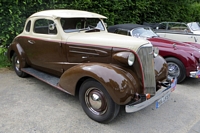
(139, 35)
(194, 26)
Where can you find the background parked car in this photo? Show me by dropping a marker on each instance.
(183, 59)
(180, 31)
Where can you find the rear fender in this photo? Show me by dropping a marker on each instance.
(16, 48)
(120, 84)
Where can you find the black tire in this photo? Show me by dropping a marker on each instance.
(16, 65)
(176, 68)
(96, 102)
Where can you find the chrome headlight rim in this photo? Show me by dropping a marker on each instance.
(155, 52)
(131, 59)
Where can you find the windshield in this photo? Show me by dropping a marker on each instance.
(143, 32)
(79, 24)
(194, 26)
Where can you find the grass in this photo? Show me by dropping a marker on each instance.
(3, 59)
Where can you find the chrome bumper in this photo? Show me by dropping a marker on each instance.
(195, 74)
(159, 94)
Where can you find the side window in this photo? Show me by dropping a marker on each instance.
(122, 32)
(28, 26)
(45, 26)
(178, 26)
(162, 26)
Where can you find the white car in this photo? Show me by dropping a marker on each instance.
(184, 32)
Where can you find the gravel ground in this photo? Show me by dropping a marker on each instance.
(28, 105)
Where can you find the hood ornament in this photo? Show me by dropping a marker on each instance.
(174, 45)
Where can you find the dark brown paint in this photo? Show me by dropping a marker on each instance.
(101, 63)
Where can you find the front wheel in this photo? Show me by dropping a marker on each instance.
(96, 102)
(16, 65)
(176, 69)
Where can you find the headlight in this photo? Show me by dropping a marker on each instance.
(155, 52)
(125, 58)
(131, 59)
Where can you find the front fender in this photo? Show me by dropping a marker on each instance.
(185, 57)
(120, 84)
(161, 68)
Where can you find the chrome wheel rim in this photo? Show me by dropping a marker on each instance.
(95, 101)
(17, 64)
(173, 69)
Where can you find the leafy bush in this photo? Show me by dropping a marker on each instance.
(3, 59)
(14, 13)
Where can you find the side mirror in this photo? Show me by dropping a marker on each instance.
(185, 30)
(106, 25)
(51, 26)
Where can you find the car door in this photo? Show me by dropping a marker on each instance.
(180, 32)
(44, 48)
(184, 37)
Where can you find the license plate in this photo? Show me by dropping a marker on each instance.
(163, 100)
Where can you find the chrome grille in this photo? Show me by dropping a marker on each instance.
(146, 57)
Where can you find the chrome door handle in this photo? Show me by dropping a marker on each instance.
(31, 42)
(84, 57)
(195, 39)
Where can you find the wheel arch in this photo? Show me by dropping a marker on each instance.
(79, 83)
(120, 84)
(10, 56)
(185, 57)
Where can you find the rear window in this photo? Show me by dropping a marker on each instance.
(28, 26)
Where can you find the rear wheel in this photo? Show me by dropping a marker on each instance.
(96, 102)
(16, 65)
(176, 69)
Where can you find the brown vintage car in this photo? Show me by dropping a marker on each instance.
(72, 51)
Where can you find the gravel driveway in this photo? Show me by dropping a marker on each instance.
(28, 105)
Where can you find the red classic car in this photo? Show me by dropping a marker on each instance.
(183, 58)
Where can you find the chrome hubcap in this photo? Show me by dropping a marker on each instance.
(17, 64)
(173, 69)
(95, 101)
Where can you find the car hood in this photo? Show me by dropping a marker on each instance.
(175, 45)
(106, 39)
(197, 45)
(164, 42)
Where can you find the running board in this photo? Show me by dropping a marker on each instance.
(49, 79)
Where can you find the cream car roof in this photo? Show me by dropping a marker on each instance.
(63, 13)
